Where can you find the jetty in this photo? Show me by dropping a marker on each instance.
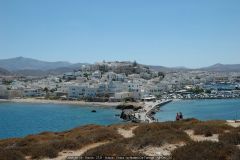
(145, 113)
(149, 109)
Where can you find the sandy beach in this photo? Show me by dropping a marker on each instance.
(46, 101)
(4, 100)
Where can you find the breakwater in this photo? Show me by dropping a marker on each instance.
(146, 113)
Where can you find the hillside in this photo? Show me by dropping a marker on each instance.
(168, 69)
(4, 72)
(56, 71)
(222, 68)
(32, 67)
(21, 63)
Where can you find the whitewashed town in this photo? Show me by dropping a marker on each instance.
(122, 81)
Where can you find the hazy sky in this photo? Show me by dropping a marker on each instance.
(188, 33)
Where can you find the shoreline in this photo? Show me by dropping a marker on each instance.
(84, 103)
(79, 103)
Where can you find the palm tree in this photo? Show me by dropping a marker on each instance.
(46, 90)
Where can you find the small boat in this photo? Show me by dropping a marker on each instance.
(93, 111)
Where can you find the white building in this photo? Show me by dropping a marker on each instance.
(121, 77)
(116, 86)
(3, 92)
(90, 92)
(102, 89)
(33, 93)
(97, 74)
(133, 87)
(81, 91)
(111, 76)
(123, 95)
(76, 91)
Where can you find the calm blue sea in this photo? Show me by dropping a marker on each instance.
(222, 109)
(19, 119)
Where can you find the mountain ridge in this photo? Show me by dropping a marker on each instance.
(22, 63)
(218, 67)
(28, 66)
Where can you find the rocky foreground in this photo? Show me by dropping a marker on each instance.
(188, 139)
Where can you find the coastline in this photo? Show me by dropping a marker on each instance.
(46, 101)
(84, 103)
(4, 100)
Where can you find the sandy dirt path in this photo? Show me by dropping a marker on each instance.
(64, 154)
(127, 133)
(198, 138)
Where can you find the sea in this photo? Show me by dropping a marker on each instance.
(204, 109)
(22, 119)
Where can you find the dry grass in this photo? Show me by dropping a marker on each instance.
(44, 150)
(10, 154)
(230, 138)
(211, 127)
(118, 148)
(156, 134)
(206, 150)
(35, 139)
(206, 128)
(49, 144)
(125, 126)
(9, 143)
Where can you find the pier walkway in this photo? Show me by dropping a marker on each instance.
(145, 114)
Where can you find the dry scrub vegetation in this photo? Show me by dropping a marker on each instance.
(49, 144)
(206, 150)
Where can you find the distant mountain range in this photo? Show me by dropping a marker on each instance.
(168, 69)
(222, 68)
(214, 68)
(33, 67)
(4, 72)
(21, 63)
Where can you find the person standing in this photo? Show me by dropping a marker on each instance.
(180, 115)
(177, 117)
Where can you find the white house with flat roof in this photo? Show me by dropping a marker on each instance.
(82, 91)
(76, 91)
(97, 74)
(30, 92)
(123, 95)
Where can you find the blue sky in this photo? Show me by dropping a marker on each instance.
(191, 33)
